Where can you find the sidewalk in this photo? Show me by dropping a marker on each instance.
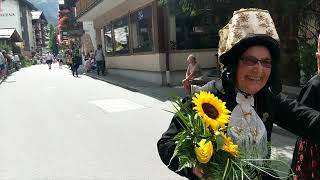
(162, 93)
(165, 93)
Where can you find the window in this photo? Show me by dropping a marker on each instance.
(121, 36)
(108, 39)
(141, 28)
(198, 32)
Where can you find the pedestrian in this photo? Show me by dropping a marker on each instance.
(7, 58)
(49, 59)
(99, 59)
(193, 73)
(60, 60)
(250, 85)
(69, 58)
(2, 64)
(306, 156)
(16, 62)
(76, 60)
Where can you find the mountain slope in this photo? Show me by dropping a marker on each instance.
(49, 8)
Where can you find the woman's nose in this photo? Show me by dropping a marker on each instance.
(258, 67)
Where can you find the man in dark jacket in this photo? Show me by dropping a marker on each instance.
(306, 156)
(76, 60)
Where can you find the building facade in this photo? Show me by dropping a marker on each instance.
(39, 24)
(69, 29)
(17, 14)
(145, 41)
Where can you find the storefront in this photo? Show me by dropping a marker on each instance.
(142, 40)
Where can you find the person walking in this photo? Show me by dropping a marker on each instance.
(49, 59)
(60, 60)
(99, 59)
(2, 64)
(76, 63)
(68, 55)
(16, 62)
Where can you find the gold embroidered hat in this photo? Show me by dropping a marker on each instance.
(248, 27)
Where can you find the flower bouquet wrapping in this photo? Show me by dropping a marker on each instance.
(204, 142)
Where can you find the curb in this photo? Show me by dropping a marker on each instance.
(9, 73)
(3, 79)
(283, 132)
(287, 90)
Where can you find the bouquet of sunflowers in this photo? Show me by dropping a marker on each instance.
(204, 142)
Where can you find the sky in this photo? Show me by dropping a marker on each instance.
(49, 8)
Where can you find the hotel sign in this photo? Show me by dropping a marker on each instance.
(2, 14)
(6, 14)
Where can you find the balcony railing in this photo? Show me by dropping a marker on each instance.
(84, 6)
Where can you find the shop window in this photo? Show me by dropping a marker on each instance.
(121, 36)
(108, 39)
(141, 29)
(197, 32)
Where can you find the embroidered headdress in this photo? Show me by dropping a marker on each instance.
(249, 27)
(246, 28)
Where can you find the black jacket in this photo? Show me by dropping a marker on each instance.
(309, 96)
(286, 113)
(310, 93)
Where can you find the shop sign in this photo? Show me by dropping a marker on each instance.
(6, 14)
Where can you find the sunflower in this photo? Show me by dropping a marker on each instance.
(211, 109)
(230, 147)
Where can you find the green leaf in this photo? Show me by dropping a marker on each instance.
(220, 142)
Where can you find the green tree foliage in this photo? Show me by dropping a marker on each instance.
(6, 48)
(53, 39)
(308, 59)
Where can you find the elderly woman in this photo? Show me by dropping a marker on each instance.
(249, 51)
(193, 72)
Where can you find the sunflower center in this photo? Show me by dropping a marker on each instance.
(210, 110)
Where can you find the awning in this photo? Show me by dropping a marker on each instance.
(10, 33)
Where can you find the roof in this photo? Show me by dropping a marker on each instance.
(31, 6)
(10, 33)
(38, 15)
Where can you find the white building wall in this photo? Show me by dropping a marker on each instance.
(89, 29)
(10, 15)
(30, 31)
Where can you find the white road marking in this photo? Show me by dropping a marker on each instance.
(117, 105)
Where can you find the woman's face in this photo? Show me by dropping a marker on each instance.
(252, 75)
(191, 60)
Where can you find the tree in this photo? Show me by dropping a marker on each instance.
(53, 39)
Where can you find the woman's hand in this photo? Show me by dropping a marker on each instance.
(198, 172)
(186, 85)
(318, 55)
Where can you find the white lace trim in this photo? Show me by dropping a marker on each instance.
(247, 129)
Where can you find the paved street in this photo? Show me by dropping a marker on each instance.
(54, 126)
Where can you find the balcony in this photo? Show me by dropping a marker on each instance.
(83, 6)
(89, 10)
